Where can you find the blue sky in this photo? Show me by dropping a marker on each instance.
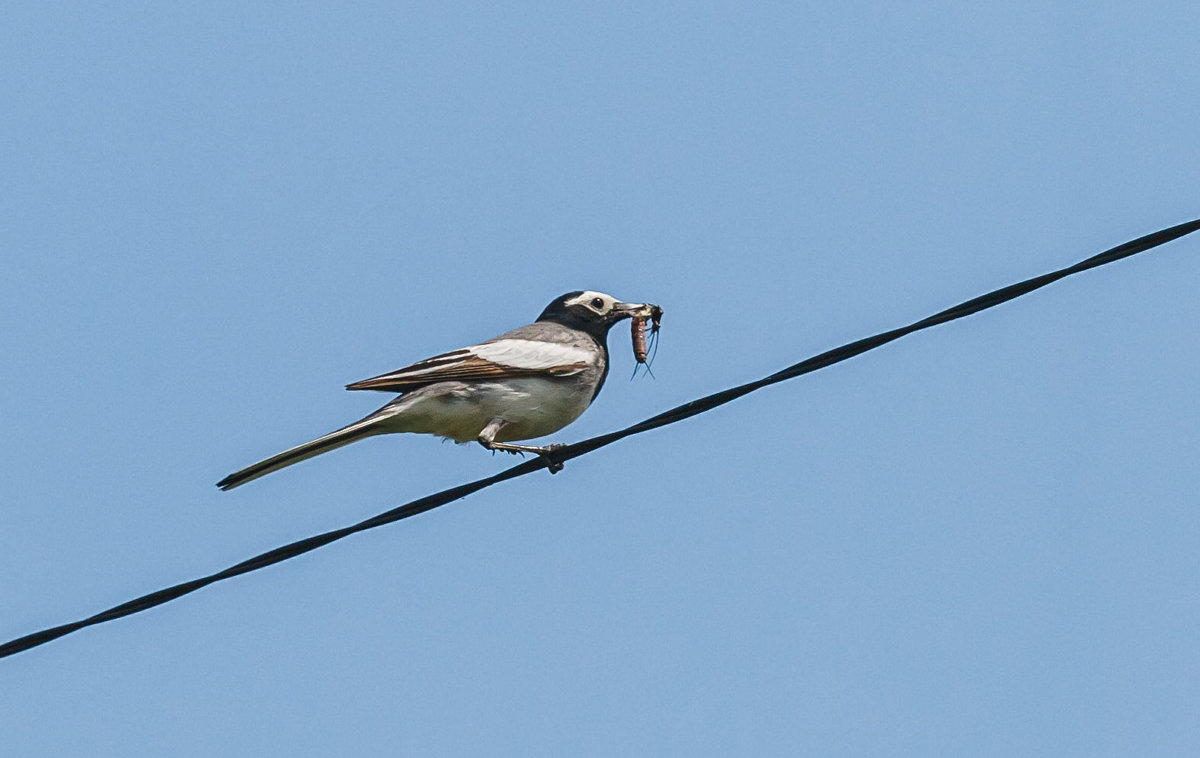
(980, 540)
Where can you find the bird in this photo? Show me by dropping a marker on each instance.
(526, 383)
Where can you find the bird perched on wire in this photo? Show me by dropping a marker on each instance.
(526, 383)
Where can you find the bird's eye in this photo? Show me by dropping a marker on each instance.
(597, 303)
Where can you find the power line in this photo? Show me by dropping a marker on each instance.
(679, 413)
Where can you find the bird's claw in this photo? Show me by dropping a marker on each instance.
(548, 456)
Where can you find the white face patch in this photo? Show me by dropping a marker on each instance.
(597, 302)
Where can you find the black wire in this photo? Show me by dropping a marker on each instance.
(685, 411)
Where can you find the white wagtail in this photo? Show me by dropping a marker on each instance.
(526, 383)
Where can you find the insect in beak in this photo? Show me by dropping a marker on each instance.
(653, 314)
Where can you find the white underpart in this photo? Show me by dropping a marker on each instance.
(529, 406)
(533, 355)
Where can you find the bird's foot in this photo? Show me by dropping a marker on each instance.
(549, 455)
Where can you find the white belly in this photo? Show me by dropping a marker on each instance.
(530, 407)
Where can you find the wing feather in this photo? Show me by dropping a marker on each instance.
(500, 359)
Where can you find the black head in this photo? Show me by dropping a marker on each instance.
(588, 311)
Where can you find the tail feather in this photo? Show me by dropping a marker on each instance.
(331, 441)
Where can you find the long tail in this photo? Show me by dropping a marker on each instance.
(344, 436)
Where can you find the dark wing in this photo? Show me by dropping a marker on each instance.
(500, 359)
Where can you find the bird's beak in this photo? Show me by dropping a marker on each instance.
(630, 310)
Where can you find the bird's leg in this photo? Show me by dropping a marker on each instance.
(487, 438)
(488, 435)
